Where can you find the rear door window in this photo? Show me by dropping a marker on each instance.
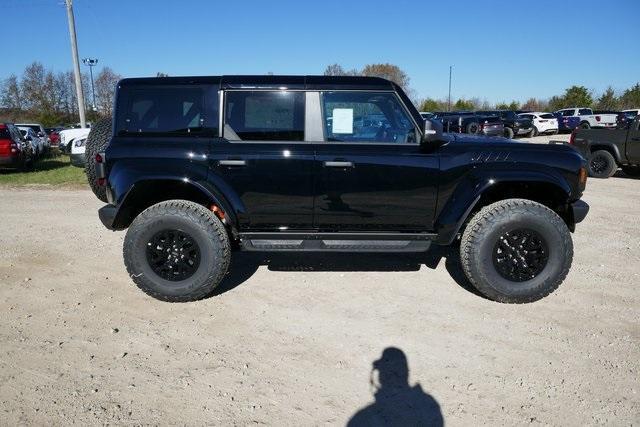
(168, 111)
(264, 116)
(584, 112)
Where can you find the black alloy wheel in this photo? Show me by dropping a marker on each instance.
(520, 255)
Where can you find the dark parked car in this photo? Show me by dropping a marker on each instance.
(468, 122)
(15, 151)
(608, 149)
(199, 166)
(514, 125)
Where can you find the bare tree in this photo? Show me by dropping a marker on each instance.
(31, 86)
(337, 70)
(105, 86)
(11, 96)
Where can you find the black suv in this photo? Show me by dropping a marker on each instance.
(468, 122)
(196, 167)
(514, 125)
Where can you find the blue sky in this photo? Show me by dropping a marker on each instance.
(500, 50)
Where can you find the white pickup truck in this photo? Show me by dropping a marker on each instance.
(589, 120)
(67, 136)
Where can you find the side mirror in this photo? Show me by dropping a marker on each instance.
(432, 131)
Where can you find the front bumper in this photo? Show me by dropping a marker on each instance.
(580, 209)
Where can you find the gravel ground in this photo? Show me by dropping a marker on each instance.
(292, 341)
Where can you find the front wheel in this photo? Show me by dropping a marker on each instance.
(516, 251)
(177, 251)
(534, 131)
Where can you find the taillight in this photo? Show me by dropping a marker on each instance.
(99, 158)
(101, 181)
(582, 178)
(597, 118)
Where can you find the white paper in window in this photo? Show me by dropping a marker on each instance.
(342, 120)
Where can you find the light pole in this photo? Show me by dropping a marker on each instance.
(76, 64)
(91, 62)
(449, 103)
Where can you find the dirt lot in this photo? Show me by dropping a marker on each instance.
(291, 342)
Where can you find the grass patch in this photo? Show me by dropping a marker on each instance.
(55, 170)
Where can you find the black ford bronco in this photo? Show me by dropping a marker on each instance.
(197, 167)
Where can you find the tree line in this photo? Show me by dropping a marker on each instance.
(574, 96)
(43, 96)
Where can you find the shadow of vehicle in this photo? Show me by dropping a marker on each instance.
(396, 402)
(621, 174)
(245, 264)
(45, 163)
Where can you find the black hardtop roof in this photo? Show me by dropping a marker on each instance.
(270, 82)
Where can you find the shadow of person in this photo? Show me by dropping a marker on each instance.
(396, 402)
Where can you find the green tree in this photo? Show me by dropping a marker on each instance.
(577, 96)
(608, 100)
(463, 105)
(431, 104)
(631, 97)
(11, 98)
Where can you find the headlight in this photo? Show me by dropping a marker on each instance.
(80, 142)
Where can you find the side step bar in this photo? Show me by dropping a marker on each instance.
(337, 242)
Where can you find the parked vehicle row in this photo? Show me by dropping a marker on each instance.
(489, 123)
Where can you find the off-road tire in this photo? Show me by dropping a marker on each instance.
(631, 170)
(201, 225)
(97, 140)
(602, 164)
(473, 128)
(481, 236)
(508, 133)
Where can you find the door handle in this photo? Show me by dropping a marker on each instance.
(232, 163)
(337, 164)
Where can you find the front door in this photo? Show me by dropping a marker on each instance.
(371, 173)
(263, 159)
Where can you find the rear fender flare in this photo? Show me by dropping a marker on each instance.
(154, 189)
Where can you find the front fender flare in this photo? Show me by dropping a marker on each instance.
(470, 190)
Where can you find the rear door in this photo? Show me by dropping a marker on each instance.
(633, 142)
(265, 158)
(371, 173)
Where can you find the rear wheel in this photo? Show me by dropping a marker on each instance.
(508, 133)
(96, 141)
(177, 251)
(585, 125)
(602, 164)
(516, 251)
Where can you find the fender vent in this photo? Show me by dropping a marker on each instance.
(489, 156)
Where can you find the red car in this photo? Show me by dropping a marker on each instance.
(54, 135)
(15, 152)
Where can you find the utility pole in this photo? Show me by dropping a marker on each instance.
(449, 103)
(76, 63)
(91, 62)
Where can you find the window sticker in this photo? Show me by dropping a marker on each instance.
(342, 120)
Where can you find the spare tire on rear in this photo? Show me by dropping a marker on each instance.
(97, 141)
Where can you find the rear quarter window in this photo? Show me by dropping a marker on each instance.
(163, 110)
